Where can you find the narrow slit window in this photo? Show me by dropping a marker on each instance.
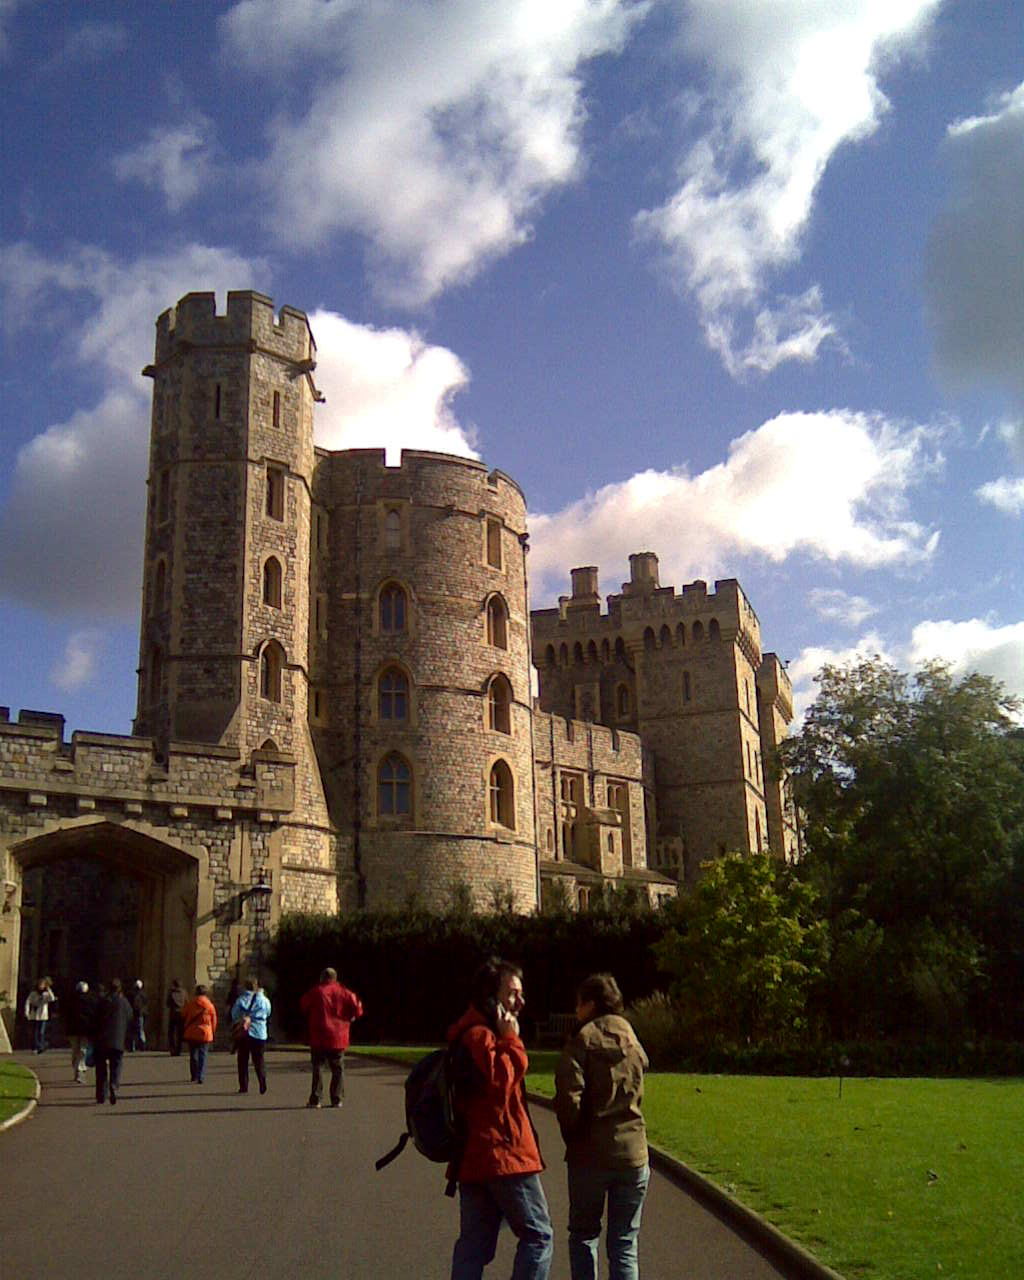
(277, 408)
(275, 493)
(272, 583)
(494, 543)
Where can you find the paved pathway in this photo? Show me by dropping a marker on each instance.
(199, 1183)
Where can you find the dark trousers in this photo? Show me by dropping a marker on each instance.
(255, 1049)
(335, 1059)
(175, 1028)
(108, 1070)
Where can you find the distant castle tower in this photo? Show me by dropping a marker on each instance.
(686, 673)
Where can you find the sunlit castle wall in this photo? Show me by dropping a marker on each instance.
(420, 673)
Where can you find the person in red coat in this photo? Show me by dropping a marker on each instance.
(499, 1169)
(330, 1009)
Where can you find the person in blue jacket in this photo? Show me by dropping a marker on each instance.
(253, 1008)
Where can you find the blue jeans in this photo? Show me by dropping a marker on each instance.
(39, 1027)
(197, 1059)
(520, 1200)
(625, 1189)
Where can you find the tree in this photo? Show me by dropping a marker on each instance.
(746, 951)
(912, 793)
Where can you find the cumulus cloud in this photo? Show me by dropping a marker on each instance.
(1005, 494)
(974, 645)
(837, 606)
(789, 84)
(434, 128)
(72, 523)
(832, 485)
(7, 8)
(386, 389)
(175, 161)
(80, 662)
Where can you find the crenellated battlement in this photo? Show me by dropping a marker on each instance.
(443, 479)
(248, 321)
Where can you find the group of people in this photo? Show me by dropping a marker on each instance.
(598, 1101)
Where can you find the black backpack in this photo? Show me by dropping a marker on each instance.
(432, 1114)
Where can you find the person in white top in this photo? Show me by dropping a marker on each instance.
(37, 1011)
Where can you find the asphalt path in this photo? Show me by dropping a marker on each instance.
(201, 1183)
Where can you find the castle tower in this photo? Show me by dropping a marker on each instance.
(420, 669)
(681, 671)
(224, 636)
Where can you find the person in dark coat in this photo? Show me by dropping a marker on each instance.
(140, 1007)
(110, 1031)
(177, 998)
(81, 1016)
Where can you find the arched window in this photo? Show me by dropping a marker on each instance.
(160, 590)
(714, 630)
(665, 638)
(649, 640)
(499, 705)
(272, 582)
(269, 745)
(611, 842)
(549, 655)
(622, 701)
(698, 632)
(606, 651)
(502, 795)
(583, 898)
(271, 666)
(156, 672)
(563, 655)
(392, 608)
(680, 635)
(275, 493)
(393, 695)
(620, 649)
(394, 787)
(497, 623)
(591, 652)
(577, 653)
(393, 531)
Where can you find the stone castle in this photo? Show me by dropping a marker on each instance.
(335, 695)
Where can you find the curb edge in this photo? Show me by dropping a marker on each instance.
(27, 1109)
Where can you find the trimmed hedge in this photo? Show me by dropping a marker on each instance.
(412, 969)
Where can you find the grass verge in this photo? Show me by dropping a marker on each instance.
(892, 1180)
(17, 1086)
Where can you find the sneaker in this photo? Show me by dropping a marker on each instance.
(335, 1106)
(113, 1099)
(243, 1091)
(314, 1106)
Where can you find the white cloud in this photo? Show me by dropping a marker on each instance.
(386, 389)
(80, 661)
(7, 8)
(832, 485)
(435, 128)
(974, 645)
(72, 523)
(90, 42)
(975, 273)
(1005, 494)
(837, 606)
(175, 161)
(790, 83)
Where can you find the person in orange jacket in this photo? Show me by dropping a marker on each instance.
(200, 1021)
(498, 1171)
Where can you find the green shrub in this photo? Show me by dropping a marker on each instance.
(658, 1022)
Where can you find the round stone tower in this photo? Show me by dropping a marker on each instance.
(420, 675)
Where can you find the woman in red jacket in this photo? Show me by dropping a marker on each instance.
(200, 1026)
(499, 1170)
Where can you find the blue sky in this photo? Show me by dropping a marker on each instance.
(736, 281)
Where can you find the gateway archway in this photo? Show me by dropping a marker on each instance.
(99, 900)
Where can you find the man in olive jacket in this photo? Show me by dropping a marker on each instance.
(599, 1089)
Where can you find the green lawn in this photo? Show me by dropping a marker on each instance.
(16, 1085)
(895, 1180)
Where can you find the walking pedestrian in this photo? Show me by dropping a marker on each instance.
(110, 1031)
(176, 997)
(37, 1011)
(249, 1016)
(140, 1007)
(599, 1088)
(329, 1009)
(81, 1016)
(200, 1018)
(499, 1170)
